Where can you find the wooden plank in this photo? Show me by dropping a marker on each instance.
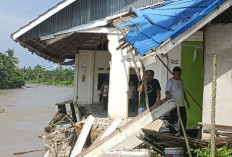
(125, 46)
(127, 153)
(159, 149)
(46, 154)
(217, 127)
(65, 102)
(74, 117)
(229, 134)
(82, 137)
(133, 140)
(122, 39)
(62, 109)
(121, 45)
(135, 64)
(111, 128)
(128, 129)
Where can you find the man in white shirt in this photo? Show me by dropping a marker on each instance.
(175, 90)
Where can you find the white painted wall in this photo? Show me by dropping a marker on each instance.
(119, 78)
(119, 74)
(171, 59)
(219, 42)
(87, 91)
(85, 87)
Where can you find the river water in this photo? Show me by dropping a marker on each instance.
(26, 112)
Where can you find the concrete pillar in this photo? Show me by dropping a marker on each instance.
(218, 40)
(75, 86)
(119, 77)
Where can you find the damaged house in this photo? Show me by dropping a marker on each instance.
(110, 39)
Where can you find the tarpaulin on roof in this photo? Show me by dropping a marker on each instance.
(156, 24)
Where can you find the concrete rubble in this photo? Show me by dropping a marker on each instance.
(61, 134)
(2, 110)
(101, 136)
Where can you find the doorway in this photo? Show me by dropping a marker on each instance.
(133, 94)
(101, 79)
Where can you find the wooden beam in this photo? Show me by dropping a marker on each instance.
(133, 141)
(229, 134)
(135, 64)
(111, 128)
(217, 127)
(127, 153)
(74, 117)
(121, 45)
(122, 39)
(125, 46)
(82, 137)
(128, 129)
(53, 59)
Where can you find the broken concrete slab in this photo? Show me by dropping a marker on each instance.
(82, 137)
(128, 129)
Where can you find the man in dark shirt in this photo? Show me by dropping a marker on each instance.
(153, 91)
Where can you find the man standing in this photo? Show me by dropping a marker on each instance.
(175, 90)
(153, 91)
(105, 95)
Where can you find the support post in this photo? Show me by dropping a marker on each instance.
(145, 88)
(74, 117)
(62, 108)
(75, 88)
(214, 85)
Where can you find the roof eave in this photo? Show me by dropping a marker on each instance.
(169, 44)
(41, 18)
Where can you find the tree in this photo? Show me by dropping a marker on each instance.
(10, 76)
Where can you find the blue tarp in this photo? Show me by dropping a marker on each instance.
(154, 25)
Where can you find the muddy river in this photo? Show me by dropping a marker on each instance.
(26, 112)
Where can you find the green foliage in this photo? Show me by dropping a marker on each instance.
(39, 75)
(154, 154)
(13, 77)
(10, 76)
(220, 152)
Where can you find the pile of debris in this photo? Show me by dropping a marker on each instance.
(1, 110)
(112, 137)
(61, 134)
(100, 136)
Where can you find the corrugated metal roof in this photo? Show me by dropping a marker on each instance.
(81, 12)
(168, 20)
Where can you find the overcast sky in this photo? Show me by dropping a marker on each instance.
(15, 14)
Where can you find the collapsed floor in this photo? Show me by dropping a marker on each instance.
(112, 137)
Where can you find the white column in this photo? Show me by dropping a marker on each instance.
(119, 76)
(75, 86)
(218, 40)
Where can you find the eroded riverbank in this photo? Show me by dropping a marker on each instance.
(26, 112)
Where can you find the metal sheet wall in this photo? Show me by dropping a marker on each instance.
(82, 12)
